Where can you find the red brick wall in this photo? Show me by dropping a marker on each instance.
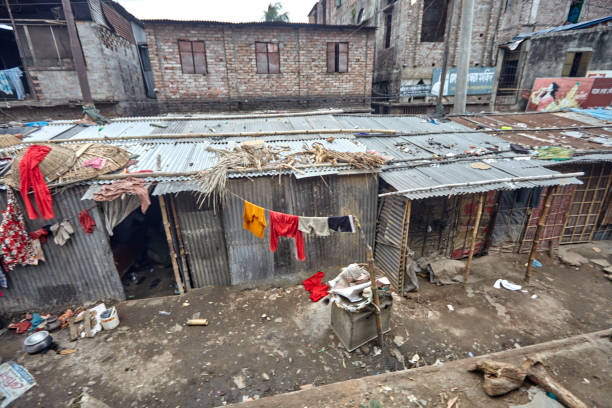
(232, 74)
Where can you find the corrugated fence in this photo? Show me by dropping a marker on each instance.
(82, 270)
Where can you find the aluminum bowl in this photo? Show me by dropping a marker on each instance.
(37, 342)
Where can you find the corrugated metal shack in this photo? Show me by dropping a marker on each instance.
(578, 213)
(217, 249)
(430, 215)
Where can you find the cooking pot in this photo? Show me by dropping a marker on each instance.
(37, 342)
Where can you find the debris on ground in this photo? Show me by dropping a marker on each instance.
(87, 401)
(197, 322)
(16, 380)
(506, 285)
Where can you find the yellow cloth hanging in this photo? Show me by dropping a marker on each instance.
(254, 219)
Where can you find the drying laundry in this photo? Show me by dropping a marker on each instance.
(15, 243)
(31, 177)
(131, 185)
(254, 219)
(3, 282)
(342, 224)
(287, 226)
(38, 254)
(40, 234)
(96, 163)
(317, 289)
(86, 221)
(62, 232)
(314, 225)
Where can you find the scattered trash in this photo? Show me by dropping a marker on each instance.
(164, 313)
(415, 359)
(197, 322)
(450, 307)
(306, 386)
(451, 402)
(470, 354)
(186, 303)
(16, 380)
(64, 352)
(501, 378)
(240, 381)
(480, 166)
(109, 318)
(398, 340)
(506, 285)
(598, 250)
(534, 296)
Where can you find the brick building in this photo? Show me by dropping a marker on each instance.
(38, 48)
(411, 35)
(201, 65)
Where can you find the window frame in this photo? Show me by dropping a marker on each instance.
(334, 65)
(259, 66)
(32, 51)
(426, 36)
(193, 52)
(388, 26)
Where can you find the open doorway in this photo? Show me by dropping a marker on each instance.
(15, 86)
(142, 255)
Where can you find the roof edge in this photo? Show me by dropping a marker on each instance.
(260, 23)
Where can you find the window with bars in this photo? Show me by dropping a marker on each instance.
(193, 57)
(337, 57)
(267, 58)
(45, 46)
(508, 77)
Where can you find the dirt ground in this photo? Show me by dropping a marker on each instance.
(262, 342)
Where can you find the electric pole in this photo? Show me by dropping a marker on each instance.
(465, 49)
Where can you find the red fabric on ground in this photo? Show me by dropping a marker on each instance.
(86, 221)
(313, 281)
(319, 292)
(31, 177)
(287, 226)
(317, 289)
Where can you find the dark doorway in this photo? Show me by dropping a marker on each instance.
(9, 58)
(142, 256)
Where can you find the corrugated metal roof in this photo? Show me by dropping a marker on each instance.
(272, 24)
(599, 113)
(567, 27)
(462, 172)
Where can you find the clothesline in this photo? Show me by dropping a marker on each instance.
(357, 223)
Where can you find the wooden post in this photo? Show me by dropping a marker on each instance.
(375, 299)
(538, 232)
(177, 275)
(179, 238)
(77, 53)
(474, 235)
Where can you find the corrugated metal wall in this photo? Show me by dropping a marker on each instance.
(202, 232)
(389, 229)
(250, 259)
(80, 271)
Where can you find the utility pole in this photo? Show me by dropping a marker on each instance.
(465, 49)
(77, 53)
(449, 22)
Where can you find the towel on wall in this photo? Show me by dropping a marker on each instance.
(341, 224)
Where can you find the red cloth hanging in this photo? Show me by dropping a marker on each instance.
(317, 289)
(39, 234)
(32, 177)
(86, 221)
(287, 226)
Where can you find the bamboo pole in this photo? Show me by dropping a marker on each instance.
(179, 238)
(474, 235)
(375, 299)
(538, 232)
(177, 275)
(226, 134)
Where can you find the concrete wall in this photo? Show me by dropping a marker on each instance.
(546, 54)
(495, 22)
(232, 76)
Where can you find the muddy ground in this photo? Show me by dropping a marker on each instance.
(155, 360)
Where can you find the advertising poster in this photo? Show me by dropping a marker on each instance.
(480, 81)
(552, 94)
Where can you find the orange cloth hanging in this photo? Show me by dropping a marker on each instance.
(254, 219)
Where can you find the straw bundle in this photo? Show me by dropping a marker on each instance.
(257, 156)
(116, 158)
(8, 141)
(57, 162)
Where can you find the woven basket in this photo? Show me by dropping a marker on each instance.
(57, 162)
(116, 158)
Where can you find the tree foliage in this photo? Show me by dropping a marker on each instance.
(273, 13)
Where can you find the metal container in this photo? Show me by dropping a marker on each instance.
(37, 342)
(354, 329)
